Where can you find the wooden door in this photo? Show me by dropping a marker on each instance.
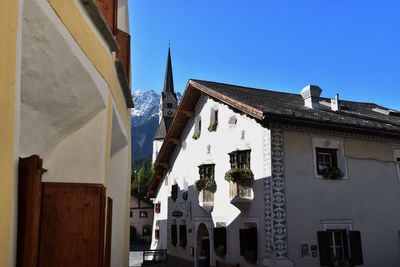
(29, 210)
(72, 226)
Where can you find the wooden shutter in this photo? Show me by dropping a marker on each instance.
(220, 238)
(29, 210)
(182, 236)
(356, 247)
(72, 226)
(107, 254)
(323, 245)
(345, 244)
(174, 192)
(174, 235)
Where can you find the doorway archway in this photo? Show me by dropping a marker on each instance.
(203, 246)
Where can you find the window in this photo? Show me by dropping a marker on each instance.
(248, 244)
(398, 167)
(130, 214)
(232, 121)
(339, 245)
(240, 159)
(329, 153)
(199, 126)
(206, 171)
(169, 105)
(157, 207)
(326, 158)
(146, 231)
(143, 214)
(174, 234)
(220, 241)
(216, 115)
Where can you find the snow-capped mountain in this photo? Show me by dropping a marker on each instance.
(144, 122)
(146, 106)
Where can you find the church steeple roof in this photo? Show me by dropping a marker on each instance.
(169, 80)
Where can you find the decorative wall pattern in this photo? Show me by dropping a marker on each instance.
(267, 193)
(337, 133)
(279, 230)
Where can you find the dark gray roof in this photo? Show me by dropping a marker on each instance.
(291, 107)
(163, 128)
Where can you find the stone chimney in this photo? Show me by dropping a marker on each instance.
(335, 103)
(311, 94)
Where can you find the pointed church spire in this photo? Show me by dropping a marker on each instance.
(169, 80)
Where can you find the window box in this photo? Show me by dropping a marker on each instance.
(213, 126)
(196, 135)
(241, 176)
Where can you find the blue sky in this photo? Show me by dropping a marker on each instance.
(346, 47)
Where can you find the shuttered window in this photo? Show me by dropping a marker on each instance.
(334, 245)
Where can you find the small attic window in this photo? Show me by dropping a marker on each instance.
(197, 128)
(232, 121)
(213, 120)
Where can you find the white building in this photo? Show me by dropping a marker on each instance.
(326, 180)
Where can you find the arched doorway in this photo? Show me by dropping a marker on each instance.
(203, 246)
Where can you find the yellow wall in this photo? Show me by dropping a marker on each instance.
(8, 44)
(100, 56)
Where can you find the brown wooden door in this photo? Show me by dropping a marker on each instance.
(29, 203)
(72, 226)
(107, 260)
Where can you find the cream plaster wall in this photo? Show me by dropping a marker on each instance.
(119, 187)
(184, 171)
(61, 89)
(79, 158)
(368, 198)
(10, 64)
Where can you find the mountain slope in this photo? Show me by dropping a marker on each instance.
(144, 122)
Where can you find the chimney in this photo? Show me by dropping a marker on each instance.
(335, 103)
(311, 94)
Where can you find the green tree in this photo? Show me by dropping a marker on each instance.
(142, 178)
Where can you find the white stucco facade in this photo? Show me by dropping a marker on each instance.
(291, 202)
(213, 148)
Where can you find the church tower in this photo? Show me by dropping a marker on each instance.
(168, 106)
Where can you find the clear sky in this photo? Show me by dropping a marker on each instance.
(346, 47)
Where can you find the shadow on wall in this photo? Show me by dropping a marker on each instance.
(214, 240)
